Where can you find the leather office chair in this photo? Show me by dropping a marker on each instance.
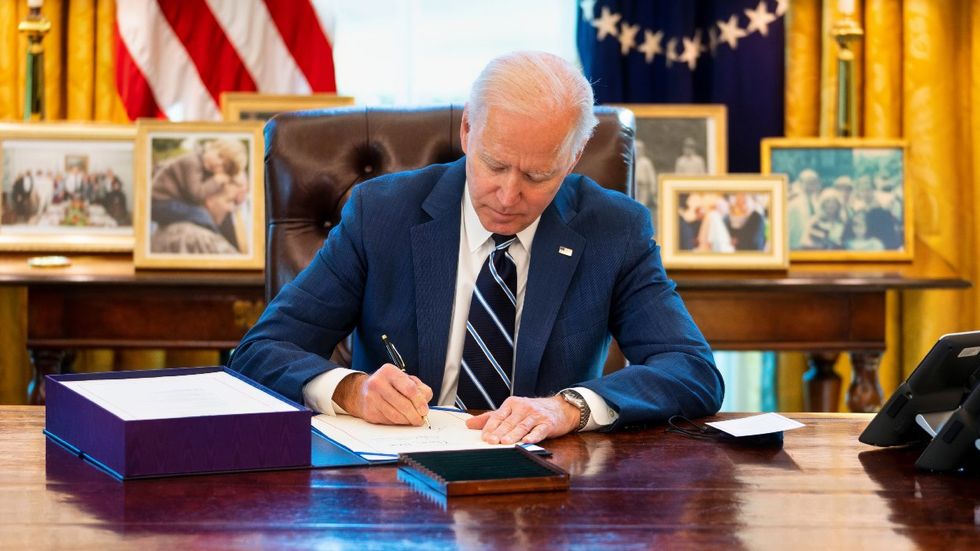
(313, 160)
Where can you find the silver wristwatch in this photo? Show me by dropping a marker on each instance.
(576, 399)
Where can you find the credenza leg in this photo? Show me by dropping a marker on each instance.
(822, 384)
(864, 393)
(46, 361)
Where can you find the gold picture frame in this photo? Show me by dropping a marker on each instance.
(239, 106)
(199, 195)
(664, 132)
(66, 187)
(868, 180)
(723, 222)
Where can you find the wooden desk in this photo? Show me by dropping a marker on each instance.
(101, 301)
(634, 490)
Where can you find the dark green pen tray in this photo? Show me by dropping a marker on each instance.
(489, 471)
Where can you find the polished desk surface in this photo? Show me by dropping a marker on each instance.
(632, 490)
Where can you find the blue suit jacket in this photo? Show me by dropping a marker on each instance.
(390, 267)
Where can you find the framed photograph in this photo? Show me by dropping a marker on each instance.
(252, 106)
(847, 197)
(736, 221)
(66, 187)
(677, 139)
(199, 195)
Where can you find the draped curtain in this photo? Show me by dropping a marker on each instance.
(918, 77)
(80, 85)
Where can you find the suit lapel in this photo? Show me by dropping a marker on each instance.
(548, 278)
(435, 256)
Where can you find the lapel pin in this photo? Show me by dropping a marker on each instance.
(565, 251)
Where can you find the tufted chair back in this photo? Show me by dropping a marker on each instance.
(313, 160)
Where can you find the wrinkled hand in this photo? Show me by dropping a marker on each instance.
(526, 420)
(386, 397)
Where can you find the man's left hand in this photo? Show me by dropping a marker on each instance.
(526, 420)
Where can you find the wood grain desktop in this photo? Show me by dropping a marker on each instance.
(630, 490)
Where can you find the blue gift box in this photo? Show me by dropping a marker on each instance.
(175, 446)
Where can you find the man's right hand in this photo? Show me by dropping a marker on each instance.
(386, 397)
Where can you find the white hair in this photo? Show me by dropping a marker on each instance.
(535, 84)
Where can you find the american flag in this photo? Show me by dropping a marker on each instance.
(174, 58)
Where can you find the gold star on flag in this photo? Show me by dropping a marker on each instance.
(759, 19)
(692, 50)
(671, 51)
(627, 37)
(606, 24)
(731, 32)
(651, 44)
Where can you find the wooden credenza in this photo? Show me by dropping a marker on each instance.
(823, 309)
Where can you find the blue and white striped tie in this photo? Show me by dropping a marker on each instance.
(487, 369)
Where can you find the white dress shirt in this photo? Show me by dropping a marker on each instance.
(475, 243)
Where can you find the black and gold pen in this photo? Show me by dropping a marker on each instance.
(399, 362)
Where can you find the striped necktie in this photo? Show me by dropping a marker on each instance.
(486, 370)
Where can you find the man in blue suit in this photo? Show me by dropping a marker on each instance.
(415, 252)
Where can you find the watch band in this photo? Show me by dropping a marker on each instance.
(577, 400)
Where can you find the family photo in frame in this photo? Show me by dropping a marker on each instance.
(200, 195)
(723, 222)
(66, 187)
(676, 139)
(847, 198)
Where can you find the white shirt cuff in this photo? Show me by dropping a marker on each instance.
(601, 415)
(318, 393)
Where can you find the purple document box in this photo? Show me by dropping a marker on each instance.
(177, 446)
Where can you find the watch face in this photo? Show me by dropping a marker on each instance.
(578, 401)
(573, 397)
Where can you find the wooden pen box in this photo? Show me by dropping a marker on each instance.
(484, 471)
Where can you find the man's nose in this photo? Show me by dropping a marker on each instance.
(509, 192)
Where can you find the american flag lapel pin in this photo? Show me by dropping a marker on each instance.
(565, 251)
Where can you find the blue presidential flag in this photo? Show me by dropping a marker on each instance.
(693, 51)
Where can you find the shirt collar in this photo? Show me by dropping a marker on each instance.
(477, 235)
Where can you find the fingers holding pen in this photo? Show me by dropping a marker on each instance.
(422, 396)
(393, 398)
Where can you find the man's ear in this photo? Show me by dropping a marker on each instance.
(464, 129)
(578, 157)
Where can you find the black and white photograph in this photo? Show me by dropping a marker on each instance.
(846, 199)
(676, 139)
(66, 187)
(200, 195)
(718, 222)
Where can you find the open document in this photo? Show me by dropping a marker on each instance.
(378, 442)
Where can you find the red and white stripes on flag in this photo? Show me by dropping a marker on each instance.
(175, 57)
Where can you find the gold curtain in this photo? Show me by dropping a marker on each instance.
(79, 61)
(918, 78)
(79, 73)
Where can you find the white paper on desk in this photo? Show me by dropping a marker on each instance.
(448, 432)
(756, 424)
(168, 397)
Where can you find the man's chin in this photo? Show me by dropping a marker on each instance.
(502, 224)
(511, 228)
